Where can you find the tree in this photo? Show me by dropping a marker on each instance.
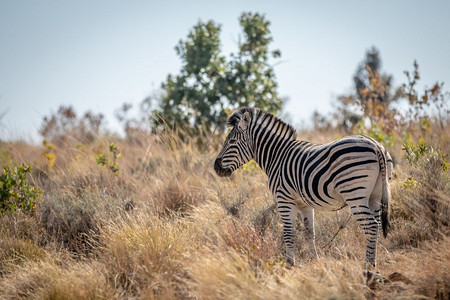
(65, 125)
(209, 85)
(367, 72)
(373, 92)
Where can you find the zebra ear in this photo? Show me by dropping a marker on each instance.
(245, 120)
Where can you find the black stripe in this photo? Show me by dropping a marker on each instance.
(349, 179)
(284, 206)
(280, 149)
(297, 165)
(362, 213)
(346, 167)
(354, 199)
(352, 190)
(267, 144)
(331, 160)
(284, 202)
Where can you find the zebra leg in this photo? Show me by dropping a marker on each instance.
(375, 208)
(375, 203)
(369, 224)
(288, 213)
(308, 221)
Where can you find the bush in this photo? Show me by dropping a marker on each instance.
(66, 126)
(421, 210)
(414, 153)
(145, 253)
(69, 222)
(15, 192)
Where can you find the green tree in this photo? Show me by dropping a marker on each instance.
(209, 84)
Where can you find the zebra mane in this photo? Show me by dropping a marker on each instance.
(236, 116)
(257, 117)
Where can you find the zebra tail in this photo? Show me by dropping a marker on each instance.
(385, 196)
(385, 193)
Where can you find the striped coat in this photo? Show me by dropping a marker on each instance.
(352, 171)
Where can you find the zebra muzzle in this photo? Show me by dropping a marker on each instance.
(220, 170)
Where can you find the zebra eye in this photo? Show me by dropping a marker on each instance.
(232, 141)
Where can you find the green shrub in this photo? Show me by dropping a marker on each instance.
(414, 153)
(104, 160)
(15, 192)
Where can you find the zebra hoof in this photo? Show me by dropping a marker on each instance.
(289, 262)
(374, 280)
(368, 266)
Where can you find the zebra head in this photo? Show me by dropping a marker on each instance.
(237, 148)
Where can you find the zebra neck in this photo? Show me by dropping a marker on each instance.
(270, 149)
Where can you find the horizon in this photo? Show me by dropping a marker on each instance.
(97, 56)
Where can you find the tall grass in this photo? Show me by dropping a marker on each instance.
(167, 227)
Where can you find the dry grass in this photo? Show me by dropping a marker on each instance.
(167, 227)
(58, 279)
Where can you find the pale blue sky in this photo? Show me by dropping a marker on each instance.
(97, 55)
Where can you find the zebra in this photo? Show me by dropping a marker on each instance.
(352, 171)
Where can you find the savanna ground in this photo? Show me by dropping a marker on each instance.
(159, 223)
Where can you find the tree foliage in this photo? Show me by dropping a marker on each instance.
(209, 84)
(431, 98)
(370, 83)
(373, 92)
